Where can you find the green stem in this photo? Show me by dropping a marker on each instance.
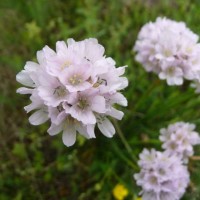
(121, 135)
(128, 161)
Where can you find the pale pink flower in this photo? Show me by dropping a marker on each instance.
(51, 90)
(85, 104)
(76, 78)
(75, 87)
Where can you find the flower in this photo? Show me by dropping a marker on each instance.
(75, 87)
(169, 49)
(179, 138)
(162, 176)
(120, 192)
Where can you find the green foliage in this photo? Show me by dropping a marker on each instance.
(37, 166)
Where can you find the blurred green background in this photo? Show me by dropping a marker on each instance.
(34, 165)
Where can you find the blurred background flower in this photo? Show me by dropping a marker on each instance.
(120, 192)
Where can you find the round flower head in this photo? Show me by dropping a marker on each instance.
(169, 49)
(162, 176)
(179, 138)
(75, 87)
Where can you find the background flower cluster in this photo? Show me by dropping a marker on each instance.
(165, 175)
(169, 49)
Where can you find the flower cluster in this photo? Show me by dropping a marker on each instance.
(169, 49)
(162, 176)
(179, 138)
(76, 87)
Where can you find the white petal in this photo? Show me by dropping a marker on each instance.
(119, 99)
(94, 51)
(36, 103)
(24, 90)
(38, 117)
(31, 66)
(47, 94)
(92, 40)
(98, 104)
(82, 129)
(31, 107)
(69, 136)
(178, 81)
(110, 61)
(106, 128)
(90, 130)
(87, 117)
(48, 52)
(40, 57)
(101, 66)
(61, 46)
(124, 83)
(162, 75)
(54, 129)
(121, 70)
(70, 41)
(24, 78)
(115, 113)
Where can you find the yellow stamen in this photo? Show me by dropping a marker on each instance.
(75, 79)
(66, 64)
